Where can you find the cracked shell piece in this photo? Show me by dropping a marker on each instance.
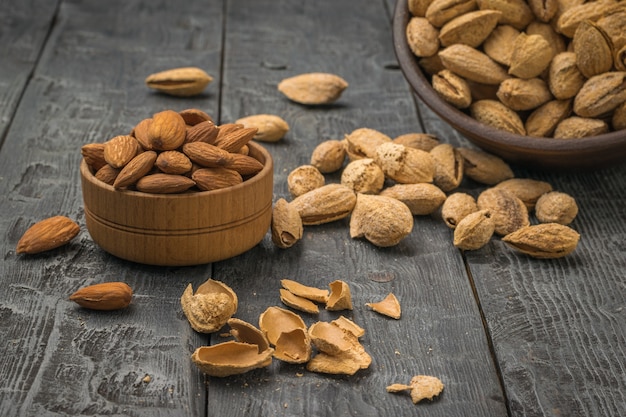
(348, 325)
(210, 307)
(245, 332)
(340, 297)
(275, 320)
(294, 346)
(304, 291)
(389, 306)
(329, 338)
(297, 302)
(230, 358)
(339, 350)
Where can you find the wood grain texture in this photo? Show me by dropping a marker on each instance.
(88, 86)
(558, 325)
(24, 29)
(440, 332)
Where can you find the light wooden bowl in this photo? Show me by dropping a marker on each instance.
(180, 229)
(533, 152)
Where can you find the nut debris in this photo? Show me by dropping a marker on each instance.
(421, 387)
(47, 234)
(389, 306)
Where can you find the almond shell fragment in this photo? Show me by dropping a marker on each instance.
(389, 306)
(230, 358)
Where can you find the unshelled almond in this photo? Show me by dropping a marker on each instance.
(184, 82)
(325, 204)
(303, 179)
(313, 88)
(328, 156)
(508, 212)
(383, 221)
(269, 127)
(546, 240)
(47, 234)
(104, 296)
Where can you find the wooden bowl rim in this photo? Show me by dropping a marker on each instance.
(268, 168)
(477, 132)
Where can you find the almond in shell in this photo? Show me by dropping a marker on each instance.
(183, 82)
(269, 127)
(313, 88)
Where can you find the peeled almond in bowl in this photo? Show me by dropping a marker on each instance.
(231, 358)
(390, 307)
(293, 346)
(340, 297)
(275, 320)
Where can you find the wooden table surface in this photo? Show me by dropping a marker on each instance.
(507, 334)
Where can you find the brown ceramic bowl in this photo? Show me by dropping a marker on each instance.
(544, 153)
(180, 229)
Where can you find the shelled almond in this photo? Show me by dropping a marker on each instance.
(533, 53)
(175, 152)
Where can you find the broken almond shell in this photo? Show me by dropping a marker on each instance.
(210, 307)
(390, 307)
(340, 297)
(231, 358)
(304, 291)
(294, 346)
(275, 320)
(297, 302)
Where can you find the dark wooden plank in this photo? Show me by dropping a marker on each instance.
(59, 359)
(441, 331)
(558, 325)
(24, 27)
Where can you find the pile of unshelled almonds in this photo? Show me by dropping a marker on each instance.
(174, 152)
(549, 68)
(386, 182)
